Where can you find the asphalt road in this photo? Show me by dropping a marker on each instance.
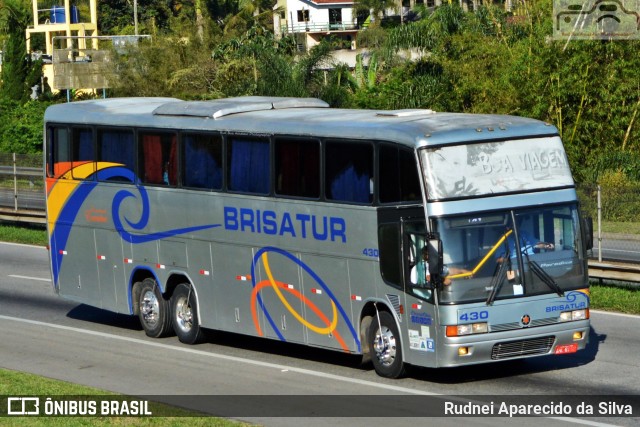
(46, 335)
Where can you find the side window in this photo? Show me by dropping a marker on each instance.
(58, 149)
(82, 153)
(349, 172)
(118, 147)
(399, 181)
(389, 244)
(297, 164)
(249, 165)
(158, 161)
(202, 157)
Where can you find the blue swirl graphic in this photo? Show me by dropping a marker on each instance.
(573, 295)
(69, 212)
(144, 219)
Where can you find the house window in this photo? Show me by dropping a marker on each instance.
(303, 15)
(335, 16)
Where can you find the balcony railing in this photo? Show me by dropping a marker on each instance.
(319, 27)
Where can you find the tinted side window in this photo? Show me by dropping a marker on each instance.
(116, 146)
(158, 158)
(202, 159)
(249, 165)
(58, 151)
(349, 172)
(82, 153)
(399, 180)
(297, 164)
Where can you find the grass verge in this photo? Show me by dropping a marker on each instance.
(14, 383)
(29, 235)
(615, 298)
(618, 227)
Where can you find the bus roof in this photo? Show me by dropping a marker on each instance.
(297, 116)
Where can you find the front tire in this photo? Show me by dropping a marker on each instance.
(184, 315)
(385, 347)
(153, 310)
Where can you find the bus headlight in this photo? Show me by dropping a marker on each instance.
(568, 316)
(469, 329)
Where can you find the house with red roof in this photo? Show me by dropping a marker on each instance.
(313, 20)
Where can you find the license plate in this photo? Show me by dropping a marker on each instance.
(566, 349)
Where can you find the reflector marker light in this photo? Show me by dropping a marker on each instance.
(204, 272)
(160, 266)
(316, 291)
(128, 261)
(356, 297)
(243, 278)
(101, 257)
(416, 306)
(62, 252)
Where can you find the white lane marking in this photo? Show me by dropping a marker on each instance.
(282, 368)
(613, 313)
(23, 245)
(16, 276)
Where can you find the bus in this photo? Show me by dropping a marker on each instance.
(286, 219)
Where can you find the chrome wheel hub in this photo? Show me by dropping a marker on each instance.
(385, 346)
(184, 315)
(150, 308)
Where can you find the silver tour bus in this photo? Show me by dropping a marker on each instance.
(409, 237)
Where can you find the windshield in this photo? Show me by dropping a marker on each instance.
(511, 254)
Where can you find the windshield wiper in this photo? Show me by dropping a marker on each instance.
(498, 278)
(544, 276)
(496, 281)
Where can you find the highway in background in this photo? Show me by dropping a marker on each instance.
(46, 335)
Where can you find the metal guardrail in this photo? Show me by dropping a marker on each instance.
(618, 271)
(23, 216)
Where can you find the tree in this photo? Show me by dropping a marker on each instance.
(17, 68)
(374, 8)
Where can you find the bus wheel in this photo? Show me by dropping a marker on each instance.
(154, 310)
(386, 351)
(184, 315)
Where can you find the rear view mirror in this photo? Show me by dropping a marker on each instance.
(434, 246)
(587, 227)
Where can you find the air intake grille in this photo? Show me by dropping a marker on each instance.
(509, 349)
(395, 302)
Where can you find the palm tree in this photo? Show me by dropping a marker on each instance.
(374, 8)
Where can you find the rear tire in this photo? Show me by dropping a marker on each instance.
(184, 315)
(385, 347)
(153, 310)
